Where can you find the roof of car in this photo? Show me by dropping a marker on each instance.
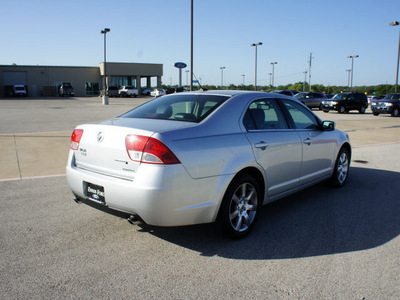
(229, 93)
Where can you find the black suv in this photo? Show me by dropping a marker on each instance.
(344, 102)
(388, 105)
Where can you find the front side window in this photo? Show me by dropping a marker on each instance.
(392, 97)
(264, 114)
(340, 97)
(178, 107)
(302, 118)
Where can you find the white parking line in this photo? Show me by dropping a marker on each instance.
(32, 177)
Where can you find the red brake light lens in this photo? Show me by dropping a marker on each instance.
(76, 138)
(149, 150)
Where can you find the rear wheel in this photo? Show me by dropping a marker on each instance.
(375, 114)
(341, 172)
(395, 112)
(362, 110)
(239, 208)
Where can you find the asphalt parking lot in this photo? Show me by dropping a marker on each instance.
(319, 243)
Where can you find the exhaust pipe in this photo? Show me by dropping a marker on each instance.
(134, 220)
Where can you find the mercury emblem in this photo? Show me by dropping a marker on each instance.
(100, 137)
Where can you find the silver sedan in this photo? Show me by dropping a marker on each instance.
(202, 157)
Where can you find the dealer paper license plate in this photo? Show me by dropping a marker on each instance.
(95, 192)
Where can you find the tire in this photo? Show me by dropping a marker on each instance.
(240, 206)
(341, 171)
(342, 110)
(362, 110)
(326, 111)
(375, 114)
(395, 112)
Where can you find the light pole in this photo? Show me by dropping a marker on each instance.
(273, 72)
(187, 78)
(243, 75)
(348, 77)
(396, 23)
(305, 79)
(191, 45)
(222, 77)
(270, 80)
(105, 97)
(352, 69)
(255, 71)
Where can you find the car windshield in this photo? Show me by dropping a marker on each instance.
(19, 88)
(392, 97)
(340, 97)
(189, 108)
(300, 95)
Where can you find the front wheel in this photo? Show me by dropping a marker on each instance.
(341, 171)
(342, 110)
(395, 112)
(375, 114)
(240, 206)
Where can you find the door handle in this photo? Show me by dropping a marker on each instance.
(261, 145)
(307, 141)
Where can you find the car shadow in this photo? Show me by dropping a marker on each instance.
(317, 221)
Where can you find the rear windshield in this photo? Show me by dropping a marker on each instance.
(112, 88)
(189, 108)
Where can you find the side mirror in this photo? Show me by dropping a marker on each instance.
(328, 125)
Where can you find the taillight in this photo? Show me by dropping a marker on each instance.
(149, 150)
(76, 138)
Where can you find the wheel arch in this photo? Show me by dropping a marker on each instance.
(252, 170)
(348, 147)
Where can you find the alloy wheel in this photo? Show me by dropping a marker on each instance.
(243, 207)
(342, 168)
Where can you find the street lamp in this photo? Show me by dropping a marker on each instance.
(255, 71)
(105, 97)
(396, 23)
(243, 75)
(352, 69)
(273, 72)
(348, 77)
(222, 77)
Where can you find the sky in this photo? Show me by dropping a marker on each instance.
(48, 32)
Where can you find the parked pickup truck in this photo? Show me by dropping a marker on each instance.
(66, 89)
(127, 91)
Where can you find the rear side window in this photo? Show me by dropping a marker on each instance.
(188, 108)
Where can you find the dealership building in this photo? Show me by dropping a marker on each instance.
(42, 81)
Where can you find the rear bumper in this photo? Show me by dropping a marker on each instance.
(160, 195)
